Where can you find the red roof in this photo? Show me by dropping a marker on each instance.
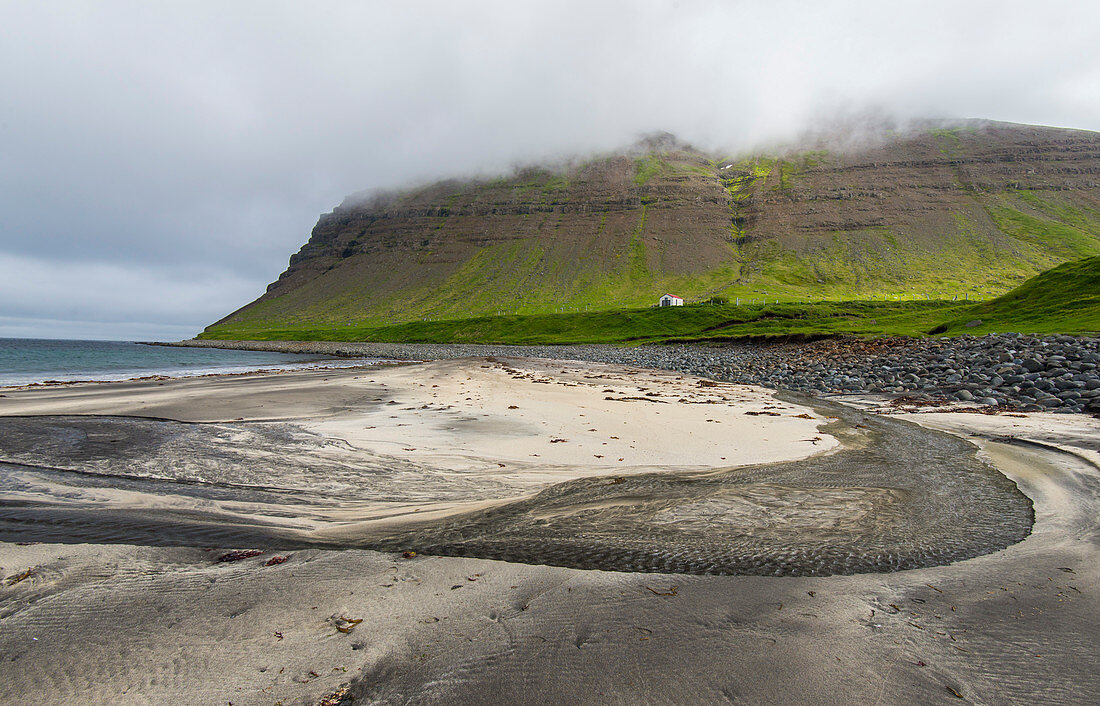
(670, 295)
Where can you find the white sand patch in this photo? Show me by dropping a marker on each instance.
(554, 420)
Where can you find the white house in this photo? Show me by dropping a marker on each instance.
(670, 300)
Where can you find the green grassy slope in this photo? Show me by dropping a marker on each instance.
(1065, 299)
(699, 322)
(987, 245)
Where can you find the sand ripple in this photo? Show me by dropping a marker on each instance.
(897, 497)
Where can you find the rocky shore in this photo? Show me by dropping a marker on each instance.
(1006, 371)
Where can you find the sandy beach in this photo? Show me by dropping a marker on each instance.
(128, 506)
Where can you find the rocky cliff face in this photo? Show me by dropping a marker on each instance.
(974, 208)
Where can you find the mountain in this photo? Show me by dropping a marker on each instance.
(967, 209)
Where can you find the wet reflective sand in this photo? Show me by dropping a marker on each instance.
(895, 496)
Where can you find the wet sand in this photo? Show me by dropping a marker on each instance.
(136, 622)
(308, 455)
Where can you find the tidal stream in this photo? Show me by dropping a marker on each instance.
(894, 496)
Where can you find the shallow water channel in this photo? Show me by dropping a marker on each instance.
(895, 496)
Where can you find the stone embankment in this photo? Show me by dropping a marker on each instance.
(1008, 371)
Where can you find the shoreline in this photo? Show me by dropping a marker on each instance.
(996, 372)
(181, 375)
(34, 363)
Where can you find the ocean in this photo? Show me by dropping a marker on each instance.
(25, 360)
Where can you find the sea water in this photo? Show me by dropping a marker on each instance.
(24, 361)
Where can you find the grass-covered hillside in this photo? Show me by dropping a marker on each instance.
(697, 322)
(968, 211)
(1065, 299)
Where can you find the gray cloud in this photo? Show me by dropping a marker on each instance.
(159, 162)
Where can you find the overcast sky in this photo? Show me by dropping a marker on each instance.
(160, 161)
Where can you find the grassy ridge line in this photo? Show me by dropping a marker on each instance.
(1065, 299)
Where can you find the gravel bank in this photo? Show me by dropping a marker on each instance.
(1009, 371)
